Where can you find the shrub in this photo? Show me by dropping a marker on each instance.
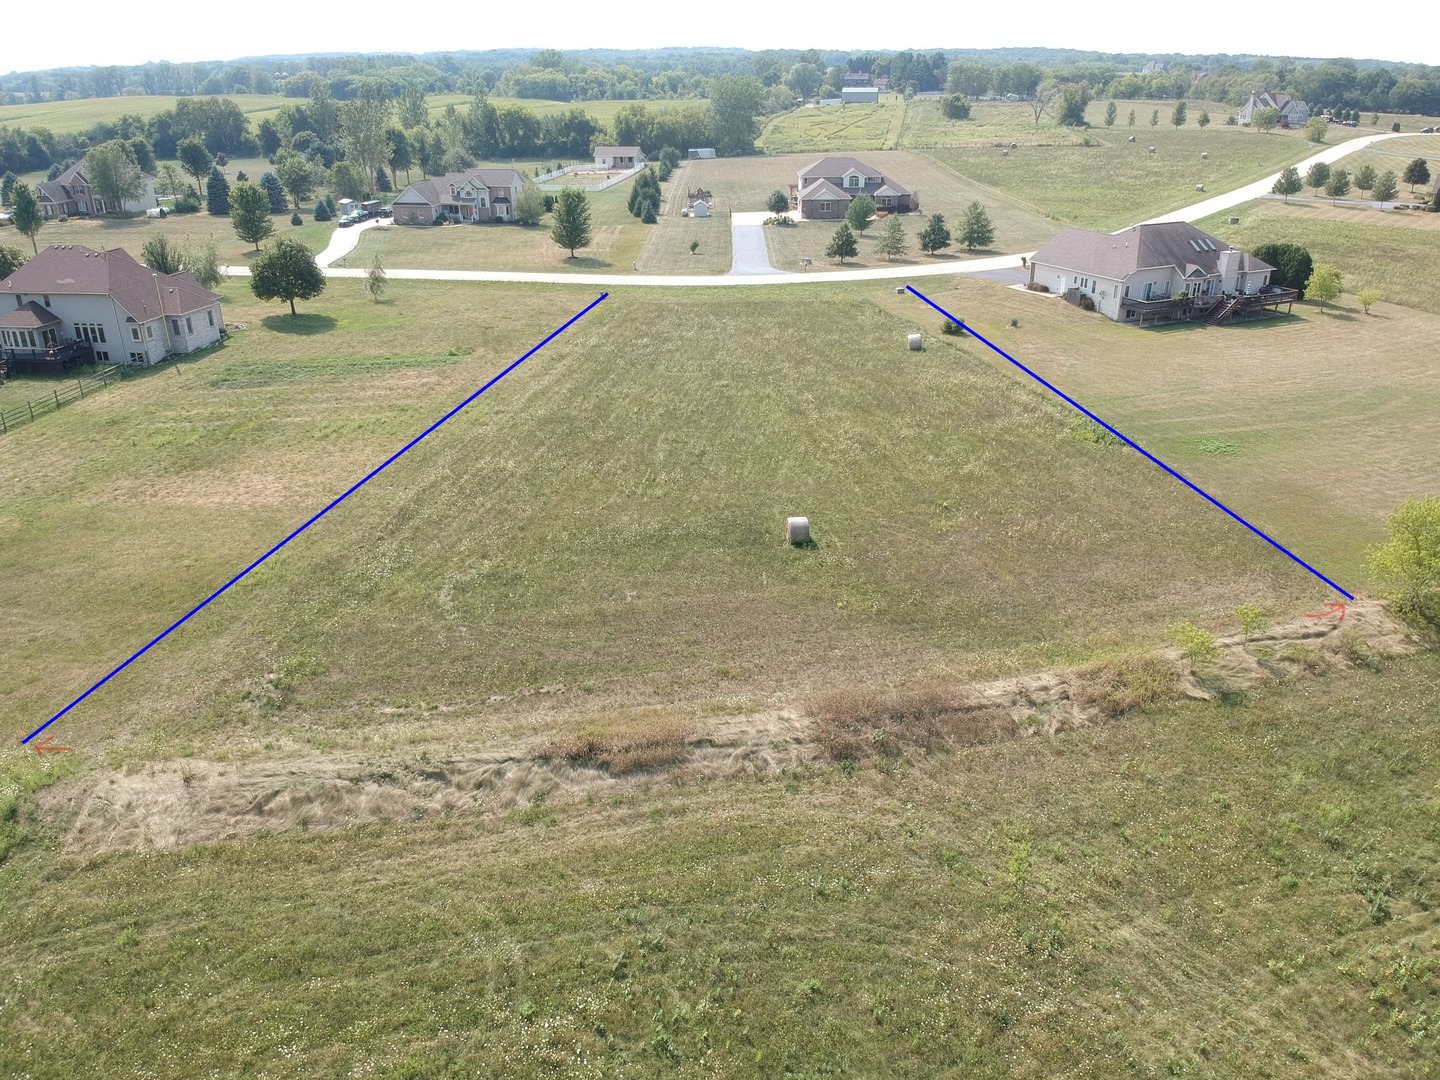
(953, 328)
(1251, 618)
(549, 203)
(1116, 687)
(1195, 643)
(296, 219)
(1408, 564)
(189, 203)
(1086, 304)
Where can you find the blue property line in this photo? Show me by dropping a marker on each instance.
(1199, 491)
(330, 506)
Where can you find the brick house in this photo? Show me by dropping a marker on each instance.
(1293, 111)
(472, 196)
(70, 306)
(824, 190)
(70, 193)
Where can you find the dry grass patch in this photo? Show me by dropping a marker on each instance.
(1124, 684)
(624, 743)
(859, 723)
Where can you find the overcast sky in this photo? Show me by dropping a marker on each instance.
(105, 34)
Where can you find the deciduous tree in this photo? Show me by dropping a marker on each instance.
(1417, 172)
(1111, 112)
(161, 256)
(1292, 263)
(114, 173)
(11, 259)
(1265, 120)
(1386, 187)
(571, 227)
(195, 159)
(842, 244)
(1368, 298)
(250, 212)
(1365, 178)
(529, 204)
(976, 229)
(1204, 120)
(295, 175)
(862, 208)
(778, 203)
(1315, 129)
(1289, 183)
(1317, 176)
(286, 270)
(1179, 115)
(375, 278)
(735, 102)
(1325, 284)
(1409, 562)
(28, 217)
(1338, 185)
(1155, 118)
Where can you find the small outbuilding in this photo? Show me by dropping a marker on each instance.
(701, 153)
(618, 157)
(859, 95)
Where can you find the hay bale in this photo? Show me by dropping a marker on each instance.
(1233, 220)
(899, 290)
(1199, 187)
(1130, 139)
(1152, 149)
(797, 531)
(1004, 153)
(915, 341)
(1205, 156)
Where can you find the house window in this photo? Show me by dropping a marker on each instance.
(885, 200)
(1129, 313)
(824, 208)
(1127, 290)
(210, 314)
(174, 326)
(134, 333)
(189, 326)
(91, 332)
(47, 301)
(102, 356)
(852, 181)
(149, 330)
(137, 357)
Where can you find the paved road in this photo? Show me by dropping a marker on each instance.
(345, 240)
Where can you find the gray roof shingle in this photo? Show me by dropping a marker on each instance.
(1118, 255)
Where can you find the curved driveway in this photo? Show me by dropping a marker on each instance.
(338, 248)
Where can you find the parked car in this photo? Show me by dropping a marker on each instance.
(386, 212)
(347, 221)
(1427, 131)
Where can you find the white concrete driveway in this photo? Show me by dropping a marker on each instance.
(344, 241)
(748, 253)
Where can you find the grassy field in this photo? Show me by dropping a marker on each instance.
(1314, 427)
(64, 117)
(1393, 251)
(990, 122)
(1116, 182)
(1205, 890)
(847, 127)
(603, 111)
(1393, 156)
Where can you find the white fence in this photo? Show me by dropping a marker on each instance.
(587, 167)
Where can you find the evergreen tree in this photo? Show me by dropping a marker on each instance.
(1288, 184)
(1179, 116)
(778, 203)
(322, 212)
(28, 216)
(161, 256)
(571, 228)
(649, 214)
(1317, 176)
(862, 208)
(249, 212)
(1386, 187)
(1417, 172)
(275, 192)
(891, 242)
(1131, 121)
(1111, 112)
(382, 180)
(976, 230)
(935, 235)
(1338, 185)
(217, 193)
(1365, 177)
(1155, 118)
(286, 270)
(842, 245)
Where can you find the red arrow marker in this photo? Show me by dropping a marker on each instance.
(1332, 607)
(44, 745)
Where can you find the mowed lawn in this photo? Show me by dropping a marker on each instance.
(608, 519)
(1395, 251)
(65, 117)
(1313, 427)
(1117, 182)
(1393, 156)
(1209, 890)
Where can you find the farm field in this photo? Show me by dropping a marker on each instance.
(1203, 889)
(603, 111)
(1390, 250)
(853, 127)
(1118, 182)
(64, 117)
(990, 122)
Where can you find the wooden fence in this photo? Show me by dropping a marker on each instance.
(61, 393)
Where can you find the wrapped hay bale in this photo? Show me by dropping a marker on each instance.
(797, 531)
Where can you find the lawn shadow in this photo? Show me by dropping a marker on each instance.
(587, 262)
(306, 325)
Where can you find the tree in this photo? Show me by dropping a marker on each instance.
(891, 242)
(571, 227)
(274, 192)
(1317, 176)
(1365, 177)
(1409, 562)
(362, 129)
(28, 216)
(375, 278)
(201, 261)
(935, 235)
(1292, 263)
(11, 259)
(295, 175)
(1417, 172)
(842, 245)
(161, 256)
(195, 159)
(114, 173)
(1155, 118)
(249, 212)
(7, 185)
(955, 107)
(735, 101)
(1266, 119)
(322, 212)
(976, 230)
(805, 79)
(1368, 298)
(1387, 186)
(286, 270)
(1043, 97)
(1179, 115)
(401, 155)
(1324, 284)
(1338, 185)
(1131, 121)
(413, 109)
(862, 208)
(169, 182)
(347, 181)
(1204, 120)
(1315, 129)
(529, 204)
(778, 203)
(217, 193)
(1074, 99)
(1289, 183)
(1111, 112)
